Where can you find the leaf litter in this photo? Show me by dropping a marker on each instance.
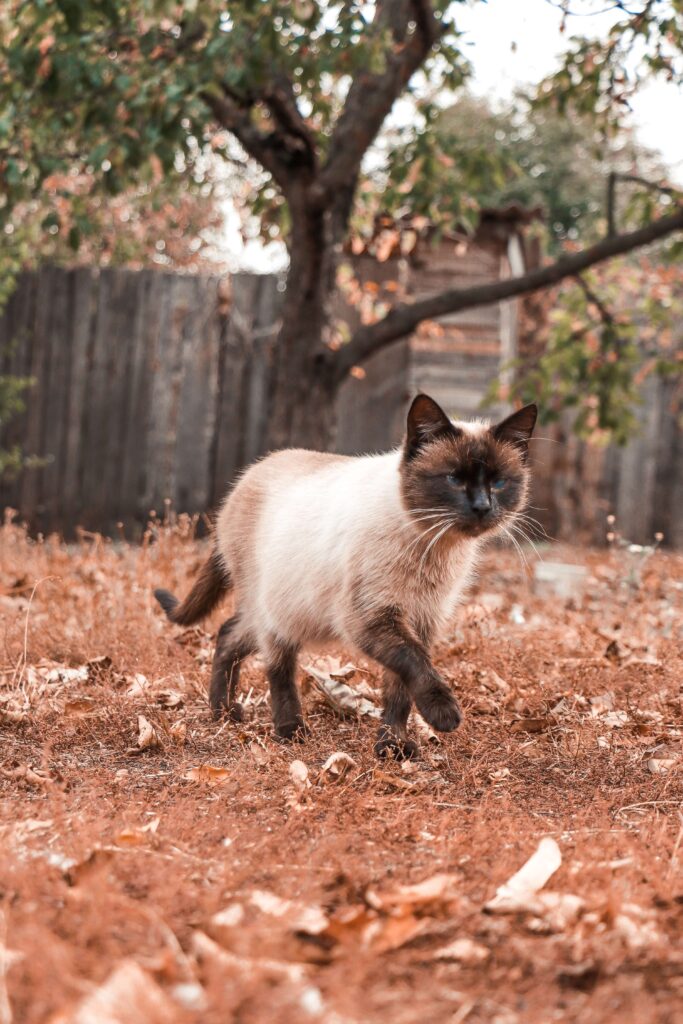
(380, 886)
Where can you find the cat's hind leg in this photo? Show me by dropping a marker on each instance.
(281, 660)
(232, 647)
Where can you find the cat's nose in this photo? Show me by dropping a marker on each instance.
(481, 503)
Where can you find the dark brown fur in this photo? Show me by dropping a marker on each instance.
(209, 587)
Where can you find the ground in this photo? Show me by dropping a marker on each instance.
(155, 866)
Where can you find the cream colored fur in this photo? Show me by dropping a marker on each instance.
(314, 543)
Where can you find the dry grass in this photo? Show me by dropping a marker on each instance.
(110, 857)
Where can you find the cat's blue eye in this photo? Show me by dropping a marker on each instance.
(454, 479)
(498, 484)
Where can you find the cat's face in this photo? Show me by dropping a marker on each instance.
(466, 479)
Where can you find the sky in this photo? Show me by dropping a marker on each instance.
(518, 42)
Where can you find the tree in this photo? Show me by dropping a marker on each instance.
(537, 157)
(305, 88)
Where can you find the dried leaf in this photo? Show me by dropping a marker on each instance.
(98, 667)
(31, 776)
(395, 781)
(539, 724)
(128, 996)
(436, 893)
(464, 951)
(259, 752)
(342, 698)
(79, 707)
(178, 732)
(138, 686)
(170, 698)
(88, 868)
(298, 917)
(298, 774)
(516, 894)
(148, 738)
(209, 773)
(211, 954)
(336, 766)
(383, 935)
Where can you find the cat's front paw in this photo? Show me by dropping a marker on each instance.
(295, 730)
(390, 745)
(439, 708)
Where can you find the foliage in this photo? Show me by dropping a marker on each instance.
(293, 98)
(530, 155)
(605, 334)
(11, 402)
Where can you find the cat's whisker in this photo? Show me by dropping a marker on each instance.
(432, 542)
(516, 529)
(520, 553)
(532, 524)
(421, 536)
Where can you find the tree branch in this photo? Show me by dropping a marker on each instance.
(414, 28)
(237, 120)
(404, 318)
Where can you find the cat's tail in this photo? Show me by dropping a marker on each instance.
(212, 583)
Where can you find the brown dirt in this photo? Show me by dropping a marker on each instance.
(108, 856)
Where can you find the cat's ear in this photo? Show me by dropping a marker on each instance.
(517, 428)
(426, 420)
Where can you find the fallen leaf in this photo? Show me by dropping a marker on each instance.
(138, 686)
(464, 951)
(342, 698)
(85, 870)
(128, 996)
(259, 752)
(209, 773)
(436, 893)
(615, 719)
(297, 916)
(395, 781)
(298, 774)
(539, 724)
(224, 923)
(515, 894)
(337, 766)
(424, 731)
(661, 765)
(98, 667)
(31, 776)
(211, 954)
(178, 732)
(170, 698)
(148, 738)
(80, 706)
(383, 935)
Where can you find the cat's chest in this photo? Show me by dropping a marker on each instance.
(430, 598)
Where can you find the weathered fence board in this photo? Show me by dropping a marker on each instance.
(154, 386)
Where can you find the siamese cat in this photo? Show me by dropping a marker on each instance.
(371, 552)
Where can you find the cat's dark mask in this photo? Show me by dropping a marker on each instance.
(473, 476)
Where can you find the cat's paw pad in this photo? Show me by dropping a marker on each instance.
(389, 745)
(439, 708)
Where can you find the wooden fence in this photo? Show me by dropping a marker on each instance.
(149, 386)
(154, 386)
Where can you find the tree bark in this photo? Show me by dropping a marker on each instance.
(302, 394)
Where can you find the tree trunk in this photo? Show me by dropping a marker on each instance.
(302, 406)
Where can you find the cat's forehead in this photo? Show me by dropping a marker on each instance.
(470, 446)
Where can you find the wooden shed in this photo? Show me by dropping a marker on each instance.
(454, 359)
